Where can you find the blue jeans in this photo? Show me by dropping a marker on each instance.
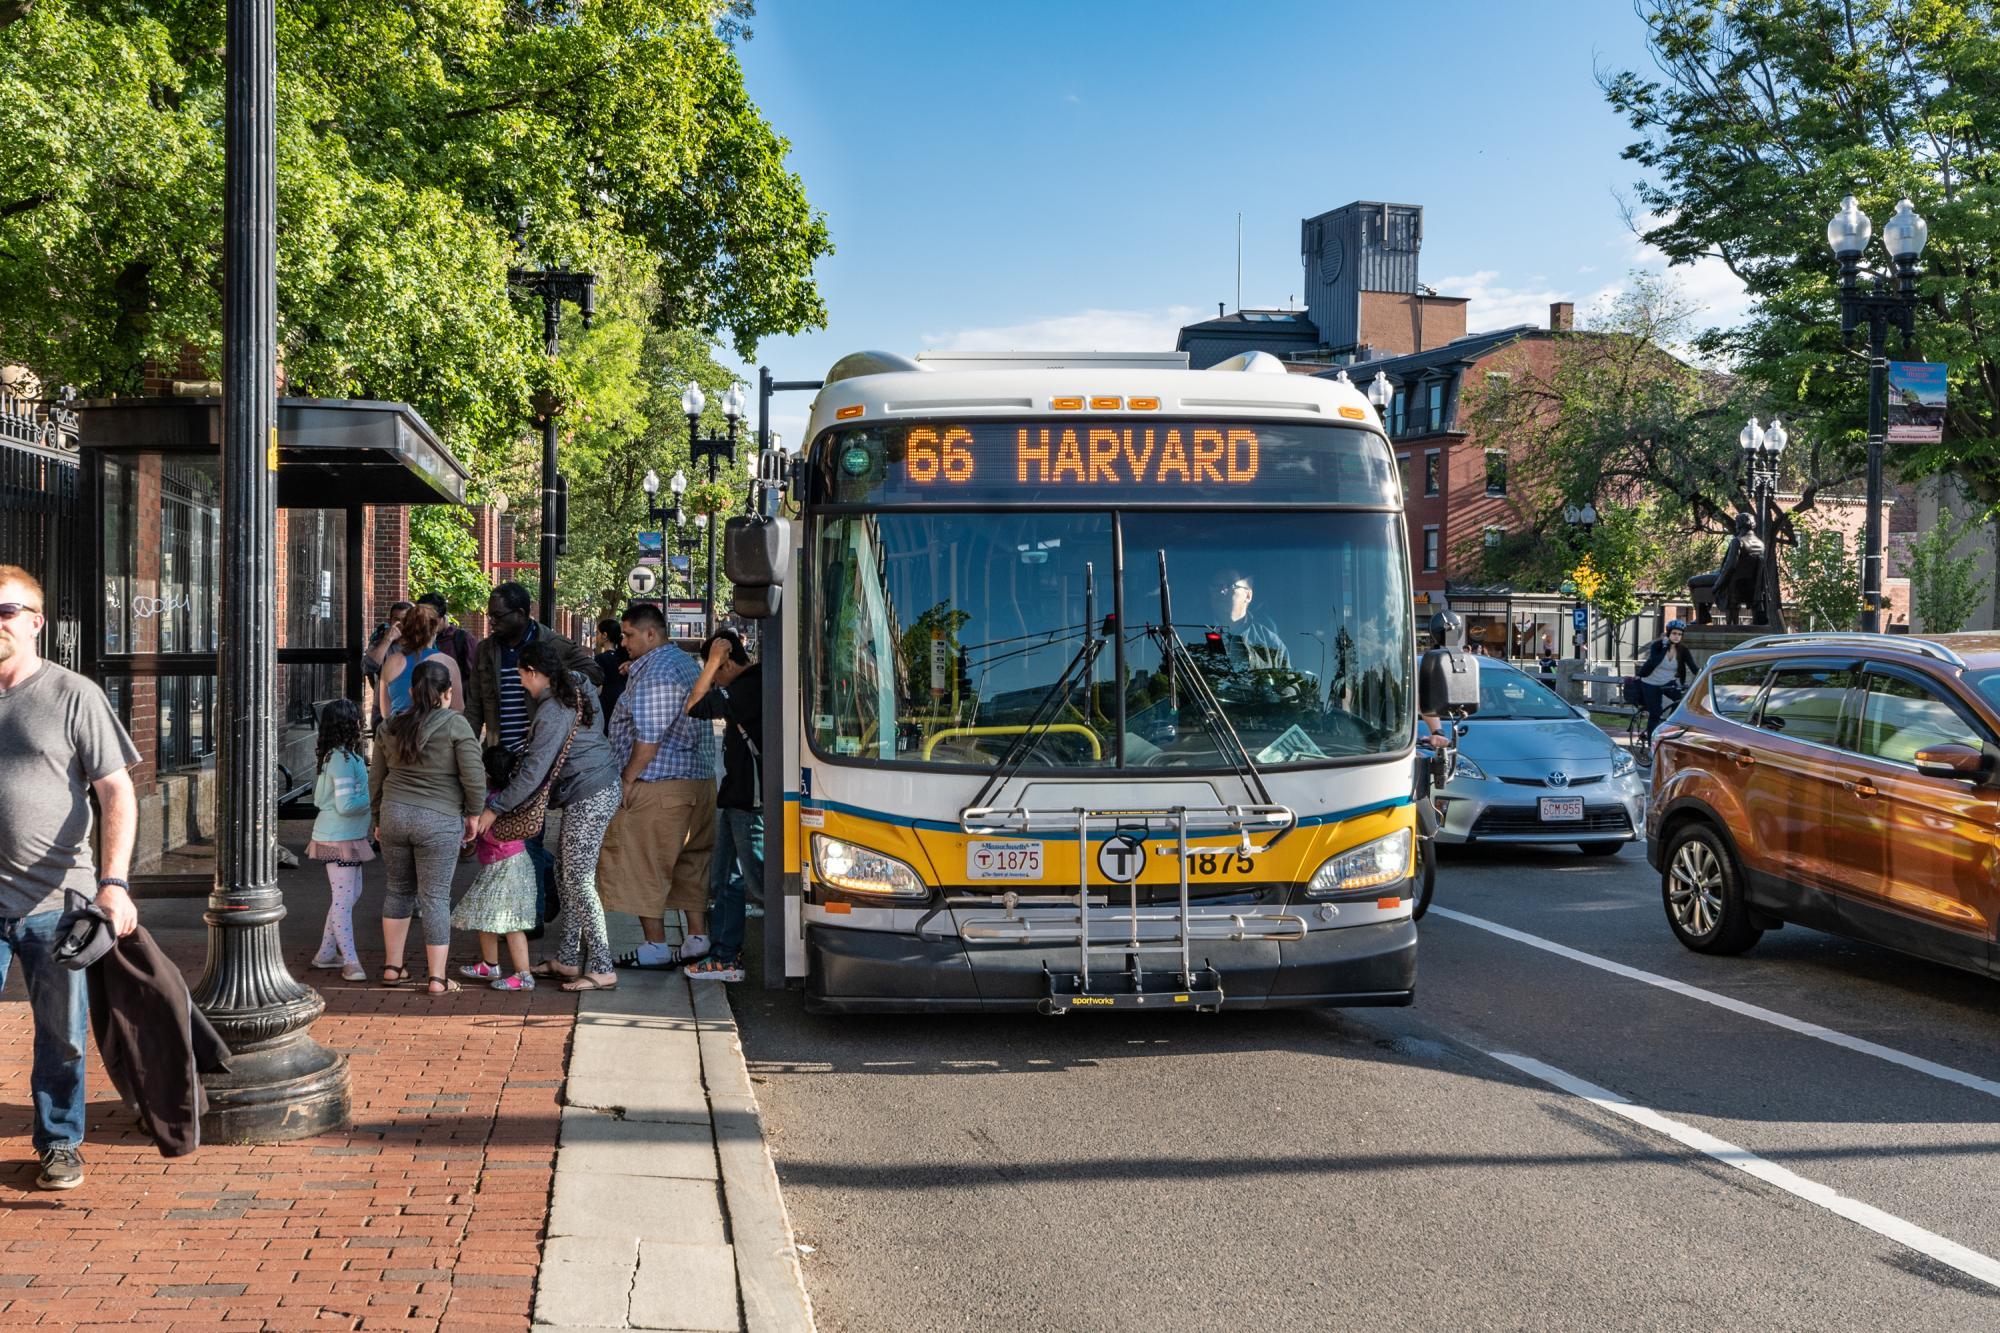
(544, 862)
(739, 846)
(61, 1009)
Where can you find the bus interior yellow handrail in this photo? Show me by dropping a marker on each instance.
(1074, 728)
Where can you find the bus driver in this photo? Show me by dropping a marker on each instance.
(1250, 641)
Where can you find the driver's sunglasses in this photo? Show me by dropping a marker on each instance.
(1238, 586)
(8, 610)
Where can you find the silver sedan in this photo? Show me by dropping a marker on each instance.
(1533, 769)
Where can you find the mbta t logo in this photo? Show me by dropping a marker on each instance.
(1121, 857)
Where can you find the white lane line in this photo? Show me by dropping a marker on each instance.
(1895, 1057)
(1908, 1234)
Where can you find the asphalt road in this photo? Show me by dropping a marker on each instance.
(1438, 1167)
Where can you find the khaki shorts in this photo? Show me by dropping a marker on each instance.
(656, 852)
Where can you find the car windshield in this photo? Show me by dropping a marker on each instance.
(1987, 682)
(941, 638)
(1506, 695)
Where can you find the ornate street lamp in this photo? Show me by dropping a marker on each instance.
(1583, 517)
(1880, 304)
(714, 448)
(554, 286)
(1762, 447)
(282, 1084)
(1381, 393)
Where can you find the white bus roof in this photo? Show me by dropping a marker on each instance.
(872, 387)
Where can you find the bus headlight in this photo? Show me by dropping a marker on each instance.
(858, 870)
(1365, 868)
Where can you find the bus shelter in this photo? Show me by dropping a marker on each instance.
(150, 474)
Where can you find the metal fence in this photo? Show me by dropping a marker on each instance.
(42, 523)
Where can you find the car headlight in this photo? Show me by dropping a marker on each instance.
(1623, 764)
(1365, 868)
(1465, 768)
(854, 869)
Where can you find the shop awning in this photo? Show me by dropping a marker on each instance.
(332, 452)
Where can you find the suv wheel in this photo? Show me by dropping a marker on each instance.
(1703, 892)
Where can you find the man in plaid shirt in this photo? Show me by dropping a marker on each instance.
(656, 852)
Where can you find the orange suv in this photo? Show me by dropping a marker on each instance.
(1845, 782)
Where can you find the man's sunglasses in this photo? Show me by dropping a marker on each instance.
(8, 610)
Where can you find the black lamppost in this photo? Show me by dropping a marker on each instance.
(713, 448)
(282, 1084)
(1762, 447)
(554, 286)
(1880, 305)
(657, 517)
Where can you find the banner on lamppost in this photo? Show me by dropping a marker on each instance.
(1916, 402)
(651, 544)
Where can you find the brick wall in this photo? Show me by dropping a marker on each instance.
(1398, 323)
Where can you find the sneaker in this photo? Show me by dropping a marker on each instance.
(481, 971)
(519, 981)
(660, 958)
(714, 969)
(62, 1169)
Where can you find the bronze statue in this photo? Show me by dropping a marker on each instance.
(1739, 583)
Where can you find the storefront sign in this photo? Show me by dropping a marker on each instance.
(1916, 402)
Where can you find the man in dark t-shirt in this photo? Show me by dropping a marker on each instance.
(59, 743)
(731, 690)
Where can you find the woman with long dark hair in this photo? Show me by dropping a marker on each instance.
(584, 786)
(425, 786)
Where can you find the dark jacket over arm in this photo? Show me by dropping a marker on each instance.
(1683, 668)
(154, 1043)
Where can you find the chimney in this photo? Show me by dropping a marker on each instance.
(1220, 309)
(1562, 316)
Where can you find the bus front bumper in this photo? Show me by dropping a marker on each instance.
(865, 971)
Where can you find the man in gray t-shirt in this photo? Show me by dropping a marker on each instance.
(59, 743)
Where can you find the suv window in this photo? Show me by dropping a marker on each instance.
(1732, 693)
(1804, 703)
(1901, 717)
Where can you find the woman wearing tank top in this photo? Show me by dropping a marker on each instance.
(415, 645)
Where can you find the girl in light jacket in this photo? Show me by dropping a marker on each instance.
(340, 833)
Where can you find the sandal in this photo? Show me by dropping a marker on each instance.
(450, 986)
(520, 981)
(481, 971)
(548, 971)
(395, 976)
(584, 983)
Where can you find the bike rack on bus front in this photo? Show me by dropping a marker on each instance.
(1194, 989)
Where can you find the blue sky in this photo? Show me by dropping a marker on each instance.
(1054, 175)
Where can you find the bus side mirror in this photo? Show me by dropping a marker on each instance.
(753, 556)
(1448, 683)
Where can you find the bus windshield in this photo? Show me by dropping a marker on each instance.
(942, 638)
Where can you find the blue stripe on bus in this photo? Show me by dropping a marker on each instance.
(942, 826)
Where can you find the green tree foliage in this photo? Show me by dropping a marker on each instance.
(1945, 588)
(1760, 117)
(444, 558)
(1824, 578)
(412, 135)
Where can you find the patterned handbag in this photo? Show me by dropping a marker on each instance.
(525, 821)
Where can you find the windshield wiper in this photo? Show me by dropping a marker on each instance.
(1081, 663)
(1213, 717)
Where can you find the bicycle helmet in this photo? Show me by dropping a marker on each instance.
(1676, 624)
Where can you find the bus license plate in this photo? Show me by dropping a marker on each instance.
(1562, 809)
(1003, 860)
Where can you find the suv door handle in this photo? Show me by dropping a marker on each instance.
(1744, 758)
(1865, 789)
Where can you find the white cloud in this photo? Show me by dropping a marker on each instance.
(1498, 306)
(1093, 330)
(1716, 294)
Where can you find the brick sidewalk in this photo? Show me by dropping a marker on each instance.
(426, 1214)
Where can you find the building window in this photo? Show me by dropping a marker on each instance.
(1430, 550)
(1398, 407)
(1434, 395)
(1403, 470)
(1496, 473)
(1494, 536)
(1431, 465)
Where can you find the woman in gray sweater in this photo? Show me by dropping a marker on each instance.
(586, 791)
(426, 785)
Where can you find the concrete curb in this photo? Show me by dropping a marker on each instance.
(666, 1212)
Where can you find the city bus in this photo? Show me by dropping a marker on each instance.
(1097, 677)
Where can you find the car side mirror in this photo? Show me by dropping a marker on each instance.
(1954, 762)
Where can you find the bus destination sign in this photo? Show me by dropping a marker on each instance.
(1108, 461)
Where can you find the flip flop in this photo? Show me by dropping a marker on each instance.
(548, 971)
(575, 984)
